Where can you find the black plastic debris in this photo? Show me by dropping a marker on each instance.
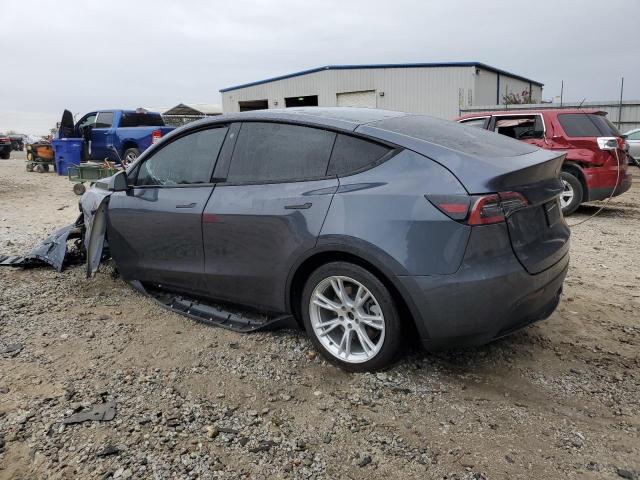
(52, 251)
(100, 413)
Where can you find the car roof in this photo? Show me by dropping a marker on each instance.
(542, 111)
(341, 118)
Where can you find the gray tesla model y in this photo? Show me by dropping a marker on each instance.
(366, 226)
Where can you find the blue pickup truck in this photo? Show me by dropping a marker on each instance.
(130, 132)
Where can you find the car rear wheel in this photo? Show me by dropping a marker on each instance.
(351, 317)
(130, 155)
(571, 196)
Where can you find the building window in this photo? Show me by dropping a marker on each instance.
(248, 105)
(308, 101)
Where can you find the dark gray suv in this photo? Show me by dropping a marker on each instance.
(366, 226)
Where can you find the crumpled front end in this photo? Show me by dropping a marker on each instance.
(52, 251)
(87, 233)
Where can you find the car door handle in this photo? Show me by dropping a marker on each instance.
(186, 205)
(302, 206)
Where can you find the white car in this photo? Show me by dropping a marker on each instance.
(633, 139)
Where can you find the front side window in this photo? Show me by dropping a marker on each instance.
(104, 120)
(88, 120)
(634, 136)
(520, 127)
(351, 154)
(475, 122)
(275, 152)
(187, 160)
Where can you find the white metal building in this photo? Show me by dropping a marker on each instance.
(439, 89)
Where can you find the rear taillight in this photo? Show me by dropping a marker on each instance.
(607, 143)
(479, 209)
(155, 136)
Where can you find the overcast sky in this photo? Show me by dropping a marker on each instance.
(87, 55)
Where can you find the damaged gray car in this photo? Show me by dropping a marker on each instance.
(365, 227)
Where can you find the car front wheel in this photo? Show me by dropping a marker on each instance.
(351, 317)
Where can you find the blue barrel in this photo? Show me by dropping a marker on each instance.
(68, 152)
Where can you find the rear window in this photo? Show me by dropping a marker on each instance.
(470, 140)
(587, 125)
(141, 120)
(351, 154)
(274, 152)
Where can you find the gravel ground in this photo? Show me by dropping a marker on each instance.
(560, 399)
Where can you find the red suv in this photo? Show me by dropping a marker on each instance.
(596, 163)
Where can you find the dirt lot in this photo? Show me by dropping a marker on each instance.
(560, 399)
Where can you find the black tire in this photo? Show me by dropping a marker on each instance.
(30, 167)
(130, 155)
(572, 182)
(79, 188)
(39, 168)
(392, 325)
(45, 167)
(5, 156)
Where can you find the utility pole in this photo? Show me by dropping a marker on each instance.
(620, 104)
(561, 92)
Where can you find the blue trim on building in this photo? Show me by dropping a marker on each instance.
(385, 65)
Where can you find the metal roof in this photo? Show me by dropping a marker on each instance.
(385, 65)
(191, 108)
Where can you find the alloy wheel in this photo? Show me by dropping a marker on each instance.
(566, 197)
(347, 319)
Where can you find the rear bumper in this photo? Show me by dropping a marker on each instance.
(601, 182)
(490, 296)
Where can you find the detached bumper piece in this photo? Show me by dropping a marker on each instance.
(53, 251)
(213, 314)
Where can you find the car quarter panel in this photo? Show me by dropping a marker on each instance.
(420, 238)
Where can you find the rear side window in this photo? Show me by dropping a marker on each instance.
(351, 154)
(269, 152)
(141, 120)
(104, 120)
(520, 127)
(587, 125)
(187, 160)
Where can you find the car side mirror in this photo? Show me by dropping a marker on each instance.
(118, 182)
